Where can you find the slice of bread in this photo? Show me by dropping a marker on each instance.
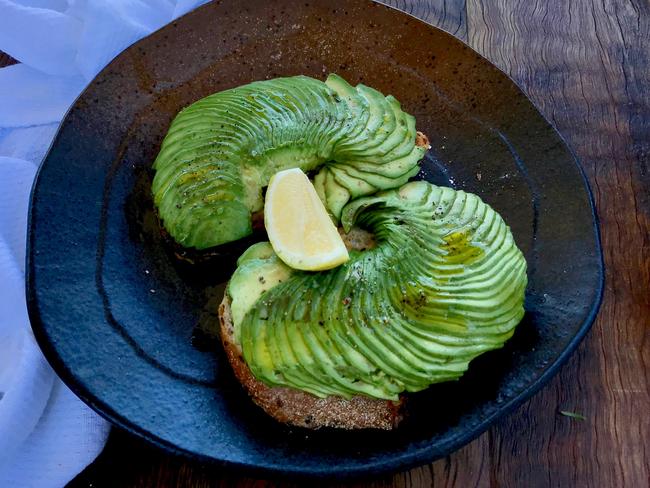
(296, 407)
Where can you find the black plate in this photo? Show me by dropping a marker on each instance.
(130, 328)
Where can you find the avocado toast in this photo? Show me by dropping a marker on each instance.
(441, 282)
(297, 407)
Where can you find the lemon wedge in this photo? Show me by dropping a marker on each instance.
(300, 230)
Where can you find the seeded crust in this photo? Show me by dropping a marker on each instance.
(296, 407)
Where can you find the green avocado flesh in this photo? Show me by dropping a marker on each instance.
(444, 284)
(221, 151)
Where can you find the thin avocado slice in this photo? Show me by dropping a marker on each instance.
(380, 182)
(380, 119)
(355, 186)
(336, 195)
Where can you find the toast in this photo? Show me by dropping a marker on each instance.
(302, 409)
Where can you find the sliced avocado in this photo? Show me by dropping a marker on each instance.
(337, 357)
(340, 86)
(395, 167)
(296, 367)
(258, 270)
(310, 370)
(336, 195)
(399, 132)
(239, 138)
(355, 186)
(382, 127)
(379, 182)
(261, 250)
(355, 121)
(444, 283)
(373, 133)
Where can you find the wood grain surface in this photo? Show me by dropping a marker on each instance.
(585, 63)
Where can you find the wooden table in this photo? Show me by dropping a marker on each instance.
(586, 65)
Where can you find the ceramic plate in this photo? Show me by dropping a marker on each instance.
(131, 328)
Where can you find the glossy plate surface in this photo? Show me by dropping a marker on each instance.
(131, 329)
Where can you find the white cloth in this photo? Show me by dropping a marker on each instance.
(47, 435)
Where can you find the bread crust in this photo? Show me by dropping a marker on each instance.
(299, 408)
